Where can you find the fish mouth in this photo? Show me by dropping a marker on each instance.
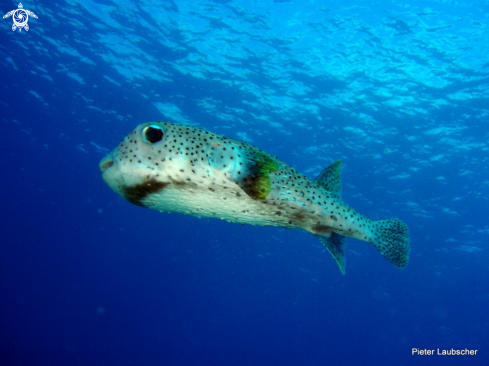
(106, 163)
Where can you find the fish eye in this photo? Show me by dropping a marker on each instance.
(152, 134)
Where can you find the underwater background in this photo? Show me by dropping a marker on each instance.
(397, 89)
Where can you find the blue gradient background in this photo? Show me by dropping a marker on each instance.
(398, 90)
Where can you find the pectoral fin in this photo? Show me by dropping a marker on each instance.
(256, 178)
(249, 168)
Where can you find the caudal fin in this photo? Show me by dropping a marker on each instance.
(391, 238)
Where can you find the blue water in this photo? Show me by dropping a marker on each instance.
(398, 90)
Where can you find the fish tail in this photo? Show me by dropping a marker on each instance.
(391, 238)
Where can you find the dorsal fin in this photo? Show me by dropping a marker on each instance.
(330, 178)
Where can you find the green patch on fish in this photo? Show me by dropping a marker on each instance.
(179, 168)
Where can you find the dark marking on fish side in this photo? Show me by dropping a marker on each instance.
(299, 216)
(323, 229)
(137, 193)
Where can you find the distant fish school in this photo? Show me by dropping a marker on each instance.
(179, 168)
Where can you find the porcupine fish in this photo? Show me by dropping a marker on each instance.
(186, 169)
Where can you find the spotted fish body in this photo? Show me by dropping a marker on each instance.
(180, 168)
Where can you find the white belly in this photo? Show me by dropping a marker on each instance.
(230, 204)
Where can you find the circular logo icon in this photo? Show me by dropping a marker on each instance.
(20, 18)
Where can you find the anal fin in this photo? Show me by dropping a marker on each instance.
(335, 244)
